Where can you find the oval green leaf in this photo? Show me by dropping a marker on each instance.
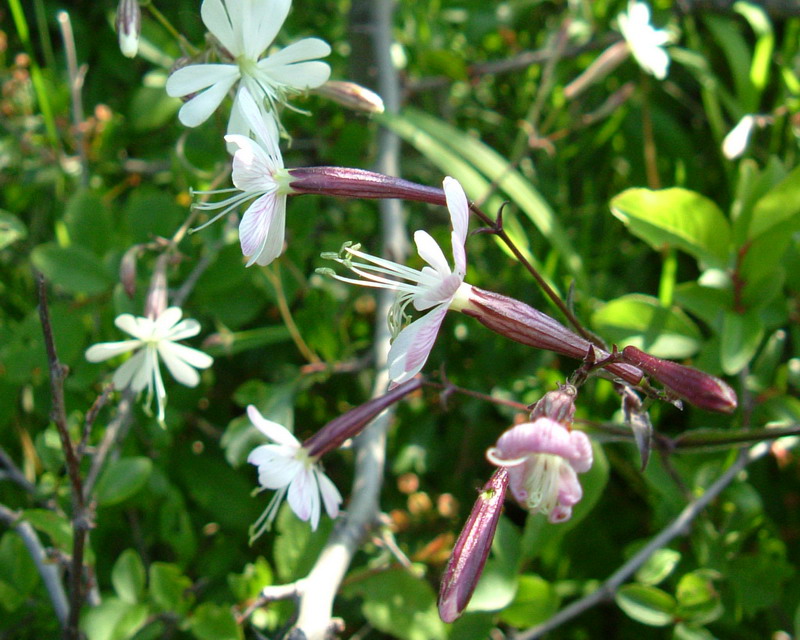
(75, 269)
(676, 218)
(646, 604)
(122, 479)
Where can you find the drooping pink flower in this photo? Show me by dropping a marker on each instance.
(543, 459)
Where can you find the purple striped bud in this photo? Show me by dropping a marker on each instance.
(350, 424)
(472, 548)
(351, 95)
(129, 26)
(700, 389)
(521, 323)
(359, 183)
(557, 405)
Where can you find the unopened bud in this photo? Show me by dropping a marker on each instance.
(557, 405)
(472, 548)
(358, 183)
(350, 424)
(127, 270)
(696, 387)
(156, 301)
(351, 95)
(521, 323)
(129, 26)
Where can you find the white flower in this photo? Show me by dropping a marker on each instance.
(287, 467)
(245, 28)
(258, 174)
(154, 338)
(646, 43)
(435, 289)
(735, 142)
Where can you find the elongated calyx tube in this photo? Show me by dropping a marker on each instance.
(521, 323)
(472, 548)
(359, 183)
(350, 424)
(700, 389)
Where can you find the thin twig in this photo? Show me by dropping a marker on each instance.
(48, 570)
(14, 473)
(677, 527)
(80, 517)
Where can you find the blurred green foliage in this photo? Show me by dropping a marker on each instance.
(621, 192)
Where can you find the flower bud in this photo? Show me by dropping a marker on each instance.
(521, 323)
(700, 389)
(472, 548)
(350, 424)
(129, 25)
(358, 183)
(557, 405)
(351, 95)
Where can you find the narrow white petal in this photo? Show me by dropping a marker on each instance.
(331, 497)
(132, 325)
(300, 51)
(255, 224)
(190, 356)
(300, 75)
(172, 355)
(105, 350)
(280, 472)
(198, 109)
(167, 320)
(265, 20)
(275, 235)
(158, 382)
(130, 370)
(413, 345)
(253, 168)
(216, 19)
(196, 77)
(431, 252)
(458, 205)
(261, 123)
(274, 431)
(184, 329)
(303, 497)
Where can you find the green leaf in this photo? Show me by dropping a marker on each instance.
(676, 218)
(215, 622)
(646, 604)
(296, 545)
(122, 479)
(18, 574)
(535, 602)
(58, 527)
(640, 320)
(11, 229)
(741, 337)
(399, 604)
(114, 619)
(150, 213)
(698, 601)
(88, 222)
(248, 584)
(170, 588)
(781, 204)
(75, 269)
(658, 567)
(128, 577)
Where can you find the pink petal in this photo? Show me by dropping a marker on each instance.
(413, 345)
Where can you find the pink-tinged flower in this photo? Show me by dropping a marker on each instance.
(471, 550)
(435, 289)
(700, 389)
(259, 176)
(287, 467)
(543, 459)
(245, 29)
(154, 339)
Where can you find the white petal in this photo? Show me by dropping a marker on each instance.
(161, 392)
(274, 431)
(275, 235)
(260, 122)
(181, 360)
(303, 498)
(105, 350)
(265, 20)
(253, 168)
(184, 329)
(198, 109)
(276, 471)
(300, 51)
(430, 251)
(736, 141)
(458, 206)
(255, 224)
(169, 318)
(196, 77)
(218, 23)
(441, 294)
(300, 75)
(130, 370)
(331, 497)
(413, 345)
(134, 326)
